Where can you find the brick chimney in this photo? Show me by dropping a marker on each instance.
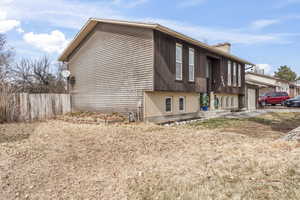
(226, 47)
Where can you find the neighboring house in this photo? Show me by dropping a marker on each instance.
(267, 83)
(150, 70)
(258, 84)
(297, 86)
(295, 89)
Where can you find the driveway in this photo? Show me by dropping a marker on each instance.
(267, 109)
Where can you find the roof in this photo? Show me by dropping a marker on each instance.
(92, 22)
(259, 84)
(268, 76)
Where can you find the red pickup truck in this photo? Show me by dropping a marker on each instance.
(273, 98)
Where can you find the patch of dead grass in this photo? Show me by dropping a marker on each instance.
(62, 160)
(270, 125)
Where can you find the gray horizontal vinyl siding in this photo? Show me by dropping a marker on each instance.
(112, 68)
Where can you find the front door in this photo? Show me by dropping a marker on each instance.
(212, 74)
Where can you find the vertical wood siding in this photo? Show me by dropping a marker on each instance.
(112, 69)
(164, 68)
(224, 70)
(165, 63)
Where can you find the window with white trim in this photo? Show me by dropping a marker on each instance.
(178, 61)
(191, 64)
(234, 75)
(182, 104)
(229, 73)
(168, 104)
(239, 75)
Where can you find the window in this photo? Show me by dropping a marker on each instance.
(281, 94)
(234, 74)
(229, 73)
(191, 64)
(178, 62)
(207, 70)
(240, 76)
(181, 103)
(168, 104)
(273, 94)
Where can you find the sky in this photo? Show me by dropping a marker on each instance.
(264, 32)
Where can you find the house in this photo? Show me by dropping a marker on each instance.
(258, 84)
(151, 71)
(295, 89)
(268, 83)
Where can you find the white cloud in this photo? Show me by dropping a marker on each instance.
(67, 13)
(3, 15)
(136, 3)
(5, 2)
(129, 3)
(59, 13)
(7, 24)
(20, 30)
(62, 14)
(215, 35)
(259, 24)
(262, 23)
(190, 3)
(55, 42)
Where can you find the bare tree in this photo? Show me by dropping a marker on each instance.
(22, 74)
(35, 76)
(61, 82)
(7, 110)
(6, 57)
(29, 75)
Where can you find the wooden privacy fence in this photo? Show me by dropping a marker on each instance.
(30, 107)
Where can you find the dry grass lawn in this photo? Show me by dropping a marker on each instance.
(217, 159)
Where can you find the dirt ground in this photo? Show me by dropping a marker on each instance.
(217, 159)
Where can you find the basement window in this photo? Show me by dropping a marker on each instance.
(182, 104)
(168, 104)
